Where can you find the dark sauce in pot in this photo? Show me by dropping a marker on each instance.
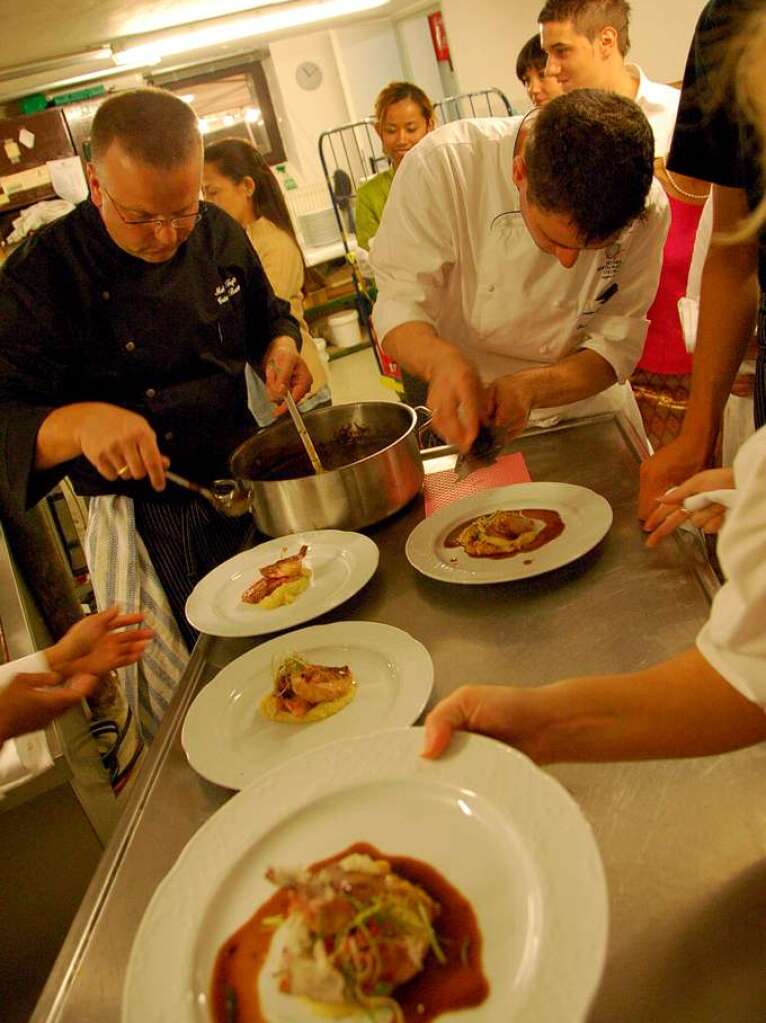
(332, 456)
(553, 527)
(350, 444)
(457, 984)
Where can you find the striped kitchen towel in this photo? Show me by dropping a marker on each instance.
(122, 573)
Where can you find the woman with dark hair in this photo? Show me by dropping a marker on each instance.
(403, 115)
(238, 179)
(530, 71)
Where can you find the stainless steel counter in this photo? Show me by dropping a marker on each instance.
(683, 843)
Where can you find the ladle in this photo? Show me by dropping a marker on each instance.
(226, 496)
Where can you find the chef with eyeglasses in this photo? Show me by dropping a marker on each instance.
(125, 327)
(516, 260)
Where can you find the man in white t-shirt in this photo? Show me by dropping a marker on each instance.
(586, 42)
(516, 260)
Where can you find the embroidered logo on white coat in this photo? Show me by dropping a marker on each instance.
(612, 260)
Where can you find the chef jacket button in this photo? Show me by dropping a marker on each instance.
(491, 288)
(130, 346)
(105, 295)
(169, 435)
(150, 392)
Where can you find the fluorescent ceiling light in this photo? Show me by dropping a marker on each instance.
(252, 114)
(188, 97)
(240, 28)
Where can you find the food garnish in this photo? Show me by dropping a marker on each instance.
(305, 692)
(361, 937)
(280, 583)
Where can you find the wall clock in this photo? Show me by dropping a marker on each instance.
(308, 75)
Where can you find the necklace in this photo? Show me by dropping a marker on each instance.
(689, 195)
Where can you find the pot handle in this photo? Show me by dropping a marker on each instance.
(427, 414)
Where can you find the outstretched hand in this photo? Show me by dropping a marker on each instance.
(32, 701)
(99, 643)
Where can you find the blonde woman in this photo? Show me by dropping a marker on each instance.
(403, 116)
(238, 179)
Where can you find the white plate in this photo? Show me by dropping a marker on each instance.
(228, 741)
(587, 517)
(501, 830)
(341, 563)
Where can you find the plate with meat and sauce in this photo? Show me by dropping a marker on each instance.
(361, 882)
(282, 583)
(509, 533)
(303, 690)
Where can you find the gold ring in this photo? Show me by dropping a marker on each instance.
(123, 470)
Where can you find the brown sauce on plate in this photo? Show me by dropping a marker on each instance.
(553, 527)
(457, 984)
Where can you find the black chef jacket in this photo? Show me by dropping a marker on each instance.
(81, 320)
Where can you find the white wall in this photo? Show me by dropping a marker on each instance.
(421, 65)
(356, 61)
(486, 35)
(308, 113)
(660, 34)
(484, 38)
(368, 59)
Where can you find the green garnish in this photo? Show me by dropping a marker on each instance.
(365, 914)
(433, 941)
(272, 922)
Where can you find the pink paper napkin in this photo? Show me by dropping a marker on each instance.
(444, 487)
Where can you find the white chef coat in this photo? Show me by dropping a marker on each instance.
(440, 257)
(660, 105)
(27, 755)
(734, 638)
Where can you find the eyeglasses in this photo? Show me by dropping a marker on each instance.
(186, 220)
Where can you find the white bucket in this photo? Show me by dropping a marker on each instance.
(344, 329)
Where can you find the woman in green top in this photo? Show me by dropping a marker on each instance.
(403, 115)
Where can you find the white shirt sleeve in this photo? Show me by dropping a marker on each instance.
(28, 755)
(31, 664)
(414, 245)
(733, 640)
(618, 330)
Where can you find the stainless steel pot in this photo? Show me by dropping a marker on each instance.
(384, 471)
